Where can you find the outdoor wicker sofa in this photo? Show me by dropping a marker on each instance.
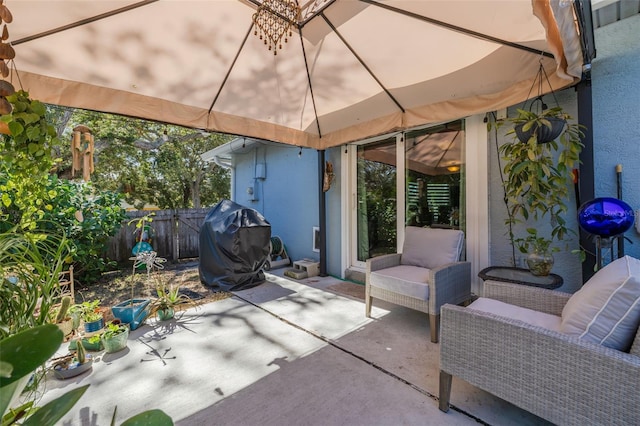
(424, 277)
(561, 378)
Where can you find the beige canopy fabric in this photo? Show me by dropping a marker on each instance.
(351, 69)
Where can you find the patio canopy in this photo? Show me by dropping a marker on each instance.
(351, 68)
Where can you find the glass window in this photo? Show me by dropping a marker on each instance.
(434, 176)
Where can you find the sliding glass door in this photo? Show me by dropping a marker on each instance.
(376, 199)
(430, 177)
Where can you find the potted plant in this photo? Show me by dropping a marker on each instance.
(115, 336)
(545, 125)
(91, 316)
(168, 298)
(539, 176)
(92, 343)
(72, 364)
(539, 252)
(135, 311)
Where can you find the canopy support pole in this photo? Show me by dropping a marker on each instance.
(322, 215)
(586, 182)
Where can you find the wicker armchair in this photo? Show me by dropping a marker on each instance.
(561, 378)
(427, 275)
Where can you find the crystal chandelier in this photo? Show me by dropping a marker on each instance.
(274, 20)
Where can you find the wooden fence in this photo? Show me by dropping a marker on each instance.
(175, 234)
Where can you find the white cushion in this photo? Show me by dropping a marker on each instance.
(409, 280)
(496, 307)
(606, 310)
(430, 248)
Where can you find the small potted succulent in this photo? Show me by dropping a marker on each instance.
(115, 336)
(168, 298)
(61, 316)
(73, 364)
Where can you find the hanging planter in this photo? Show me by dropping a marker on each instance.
(544, 129)
(539, 122)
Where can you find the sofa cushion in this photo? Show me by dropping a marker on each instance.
(606, 310)
(404, 279)
(496, 307)
(430, 248)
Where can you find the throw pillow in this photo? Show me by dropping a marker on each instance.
(606, 310)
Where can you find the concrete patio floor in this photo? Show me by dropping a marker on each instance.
(284, 353)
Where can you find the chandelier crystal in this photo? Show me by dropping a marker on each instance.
(274, 20)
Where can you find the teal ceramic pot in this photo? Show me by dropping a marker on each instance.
(132, 312)
(165, 314)
(92, 327)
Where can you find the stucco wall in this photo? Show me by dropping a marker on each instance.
(616, 115)
(287, 197)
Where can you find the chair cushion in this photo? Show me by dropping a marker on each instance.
(606, 310)
(430, 248)
(496, 307)
(404, 279)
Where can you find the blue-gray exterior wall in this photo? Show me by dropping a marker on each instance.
(616, 115)
(335, 227)
(288, 197)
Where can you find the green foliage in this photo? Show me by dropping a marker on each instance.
(539, 177)
(89, 310)
(30, 265)
(151, 417)
(168, 296)
(102, 217)
(154, 163)
(113, 329)
(534, 243)
(378, 190)
(26, 162)
(31, 198)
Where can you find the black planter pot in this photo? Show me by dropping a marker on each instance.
(544, 133)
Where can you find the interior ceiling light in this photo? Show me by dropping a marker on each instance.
(273, 21)
(453, 169)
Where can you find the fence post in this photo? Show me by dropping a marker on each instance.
(175, 236)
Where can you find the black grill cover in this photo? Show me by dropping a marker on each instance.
(234, 246)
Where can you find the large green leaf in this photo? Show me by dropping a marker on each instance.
(149, 418)
(29, 349)
(53, 411)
